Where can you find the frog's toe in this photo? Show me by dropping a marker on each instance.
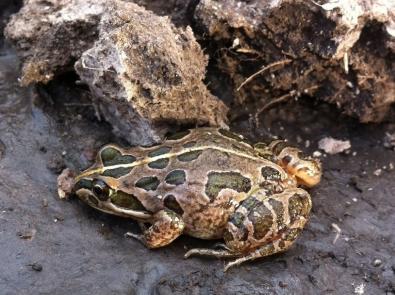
(210, 252)
(137, 237)
(221, 246)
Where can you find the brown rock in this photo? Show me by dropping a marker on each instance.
(145, 73)
(341, 52)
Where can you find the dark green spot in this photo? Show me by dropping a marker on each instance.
(292, 234)
(117, 172)
(149, 183)
(298, 205)
(189, 156)
(171, 203)
(111, 156)
(278, 208)
(261, 146)
(124, 200)
(231, 135)
(267, 250)
(189, 144)
(176, 177)
(218, 181)
(249, 203)
(268, 156)
(160, 151)
(279, 146)
(178, 135)
(262, 220)
(159, 164)
(237, 219)
(83, 183)
(269, 173)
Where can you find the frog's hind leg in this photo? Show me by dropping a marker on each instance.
(285, 241)
(166, 227)
(264, 225)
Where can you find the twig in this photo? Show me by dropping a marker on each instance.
(281, 62)
(338, 232)
(281, 99)
(273, 102)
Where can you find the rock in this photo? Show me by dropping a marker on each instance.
(51, 35)
(145, 72)
(333, 146)
(389, 140)
(377, 262)
(341, 52)
(66, 183)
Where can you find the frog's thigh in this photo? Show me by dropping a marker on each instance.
(166, 227)
(272, 224)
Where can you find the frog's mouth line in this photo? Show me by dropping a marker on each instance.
(89, 198)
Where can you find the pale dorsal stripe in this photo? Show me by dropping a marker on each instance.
(171, 155)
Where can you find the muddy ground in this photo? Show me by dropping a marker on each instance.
(50, 246)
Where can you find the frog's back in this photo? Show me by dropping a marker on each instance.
(201, 174)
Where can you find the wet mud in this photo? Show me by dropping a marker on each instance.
(50, 246)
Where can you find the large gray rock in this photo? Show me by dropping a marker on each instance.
(145, 74)
(51, 35)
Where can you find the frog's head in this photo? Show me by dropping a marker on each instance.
(101, 186)
(306, 170)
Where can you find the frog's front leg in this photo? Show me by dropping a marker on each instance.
(166, 227)
(263, 225)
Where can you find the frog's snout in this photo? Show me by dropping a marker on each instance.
(307, 171)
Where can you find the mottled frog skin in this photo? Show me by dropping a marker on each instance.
(210, 184)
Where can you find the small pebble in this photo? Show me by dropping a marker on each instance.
(307, 144)
(391, 166)
(378, 172)
(360, 289)
(377, 262)
(333, 146)
(317, 154)
(36, 266)
(355, 200)
(298, 139)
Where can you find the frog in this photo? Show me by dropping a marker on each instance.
(208, 183)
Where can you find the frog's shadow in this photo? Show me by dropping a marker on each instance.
(114, 227)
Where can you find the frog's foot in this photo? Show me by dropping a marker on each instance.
(221, 246)
(166, 227)
(210, 252)
(137, 237)
(261, 252)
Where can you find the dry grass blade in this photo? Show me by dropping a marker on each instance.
(250, 78)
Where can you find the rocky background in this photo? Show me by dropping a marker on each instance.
(76, 74)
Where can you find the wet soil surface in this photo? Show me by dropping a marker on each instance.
(50, 246)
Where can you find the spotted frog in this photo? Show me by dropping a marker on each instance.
(210, 184)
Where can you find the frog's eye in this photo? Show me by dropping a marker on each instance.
(101, 189)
